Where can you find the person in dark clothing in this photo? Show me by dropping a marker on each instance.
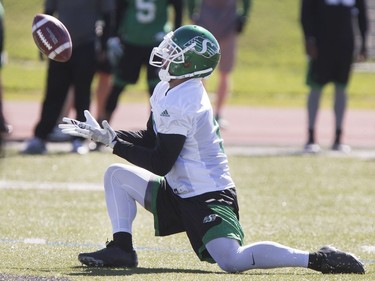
(79, 17)
(5, 128)
(329, 42)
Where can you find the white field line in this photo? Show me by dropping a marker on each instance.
(41, 241)
(50, 185)
(368, 248)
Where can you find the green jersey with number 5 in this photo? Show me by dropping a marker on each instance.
(144, 22)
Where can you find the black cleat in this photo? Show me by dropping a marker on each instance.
(338, 262)
(111, 256)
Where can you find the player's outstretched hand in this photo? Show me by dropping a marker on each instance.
(90, 130)
(80, 129)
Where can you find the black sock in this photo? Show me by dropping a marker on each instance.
(311, 136)
(315, 261)
(338, 136)
(124, 240)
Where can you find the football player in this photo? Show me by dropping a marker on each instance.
(181, 174)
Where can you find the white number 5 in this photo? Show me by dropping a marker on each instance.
(349, 3)
(146, 10)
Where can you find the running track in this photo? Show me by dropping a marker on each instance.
(248, 126)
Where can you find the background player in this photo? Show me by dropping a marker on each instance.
(139, 29)
(4, 127)
(329, 41)
(79, 17)
(226, 20)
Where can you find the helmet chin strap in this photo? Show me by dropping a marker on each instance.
(165, 76)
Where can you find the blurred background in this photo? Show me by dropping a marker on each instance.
(270, 69)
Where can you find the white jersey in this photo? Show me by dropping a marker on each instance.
(202, 165)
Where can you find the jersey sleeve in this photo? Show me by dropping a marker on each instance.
(173, 121)
(155, 153)
(158, 159)
(145, 138)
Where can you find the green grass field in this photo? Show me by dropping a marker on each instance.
(301, 201)
(270, 68)
(52, 206)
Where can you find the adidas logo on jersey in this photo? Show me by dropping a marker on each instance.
(165, 114)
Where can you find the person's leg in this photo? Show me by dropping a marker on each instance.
(313, 102)
(56, 135)
(124, 185)
(222, 92)
(319, 73)
(231, 257)
(340, 102)
(102, 91)
(228, 47)
(58, 82)
(83, 74)
(4, 127)
(112, 101)
(126, 72)
(344, 59)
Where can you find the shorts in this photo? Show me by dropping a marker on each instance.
(103, 66)
(330, 66)
(201, 221)
(129, 67)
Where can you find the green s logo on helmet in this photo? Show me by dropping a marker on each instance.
(189, 51)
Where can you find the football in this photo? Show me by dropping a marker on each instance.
(52, 37)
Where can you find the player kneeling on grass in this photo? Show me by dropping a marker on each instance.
(181, 174)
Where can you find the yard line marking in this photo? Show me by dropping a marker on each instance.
(368, 248)
(83, 186)
(34, 241)
(41, 241)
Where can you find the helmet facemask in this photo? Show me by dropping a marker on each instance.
(166, 53)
